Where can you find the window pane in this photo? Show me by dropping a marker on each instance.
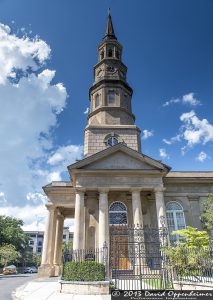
(117, 206)
(180, 220)
(175, 219)
(97, 100)
(117, 213)
(111, 97)
(117, 218)
(171, 226)
(173, 206)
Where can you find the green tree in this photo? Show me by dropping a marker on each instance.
(67, 247)
(8, 253)
(12, 233)
(191, 238)
(191, 255)
(13, 239)
(30, 259)
(207, 215)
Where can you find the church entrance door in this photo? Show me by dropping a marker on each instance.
(137, 258)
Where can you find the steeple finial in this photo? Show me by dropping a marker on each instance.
(110, 34)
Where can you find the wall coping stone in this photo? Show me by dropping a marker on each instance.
(84, 282)
(193, 283)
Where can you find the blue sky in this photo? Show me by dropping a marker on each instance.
(168, 49)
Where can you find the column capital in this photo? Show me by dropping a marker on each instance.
(135, 190)
(159, 189)
(60, 216)
(50, 206)
(103, 190)
(80, 190)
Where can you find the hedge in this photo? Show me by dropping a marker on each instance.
(83, 271)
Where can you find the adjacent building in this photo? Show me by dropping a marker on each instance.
(37, 238)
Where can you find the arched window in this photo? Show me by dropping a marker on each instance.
(117, 213)
(102, 54)
(110, 53)
(111, 97)
(117, 54)
(97, 100)
(175, 219)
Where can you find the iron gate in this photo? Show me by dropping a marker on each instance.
(137, 258)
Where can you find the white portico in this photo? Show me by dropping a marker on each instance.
(115, 183)
(116, 174)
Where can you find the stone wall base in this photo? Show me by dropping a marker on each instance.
(45, 271)
(84, 288)
(192, 286)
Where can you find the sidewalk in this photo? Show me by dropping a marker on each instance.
(49, 289)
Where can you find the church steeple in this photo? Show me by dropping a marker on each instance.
(110, 119)
(110, 34)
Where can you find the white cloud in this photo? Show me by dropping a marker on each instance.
(163, 154)
(34, 217)
(190, 99)
(20, 53)
(172, 101)
(29, 214)
(36, 198)
(147, 134)
(54, 176)
(64, 156)
(202, 156)
(185, 99)
(193, 131)
(86, 111)
(30, 104)
(174, 139)
(168, 142)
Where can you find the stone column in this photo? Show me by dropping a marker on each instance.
(58, 244)
(103, 232)
(46, 269)
(78, 241)
(103, 218)
(136, 207)
(138, 223)
(160, 206)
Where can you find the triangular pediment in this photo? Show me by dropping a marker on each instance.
(118, 161)
(119, 157)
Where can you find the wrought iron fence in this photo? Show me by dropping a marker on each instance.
(137, 257)
(194, 266)
(99, 255)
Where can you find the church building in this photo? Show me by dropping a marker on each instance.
(116, 183)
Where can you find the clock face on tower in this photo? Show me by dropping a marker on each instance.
(99, 72)
(110, 69)
(112, 141)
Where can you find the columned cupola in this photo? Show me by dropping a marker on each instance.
(110, 119)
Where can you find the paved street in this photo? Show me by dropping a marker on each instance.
(8, 284)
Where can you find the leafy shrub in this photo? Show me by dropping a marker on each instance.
(84, 271)
(191, 255)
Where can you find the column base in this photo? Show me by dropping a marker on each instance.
(45, 271)
(57, 270)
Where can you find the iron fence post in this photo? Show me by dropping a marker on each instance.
(106, 260)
